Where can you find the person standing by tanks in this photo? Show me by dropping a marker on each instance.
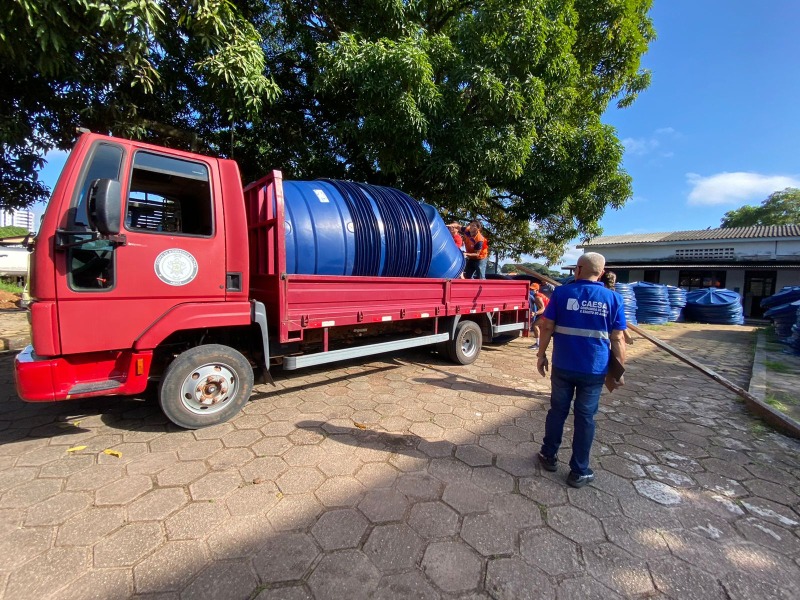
(454, 231)
(609, 279)
(537, 302)
(586, 322)
(477, 251)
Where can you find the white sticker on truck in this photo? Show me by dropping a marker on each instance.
(176, 267)
(321, 195)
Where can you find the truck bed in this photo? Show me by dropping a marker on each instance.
(296, 303)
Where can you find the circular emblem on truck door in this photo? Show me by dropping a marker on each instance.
(176, 267)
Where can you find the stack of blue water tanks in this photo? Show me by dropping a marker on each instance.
(677, 300)
(629, 301)
(783, 308)
(720, 307)
(652, 303)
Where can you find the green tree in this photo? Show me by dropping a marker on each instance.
(178, 72)
(780, 208)
(489, 108)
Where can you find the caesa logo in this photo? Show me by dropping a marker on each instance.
(572, 304)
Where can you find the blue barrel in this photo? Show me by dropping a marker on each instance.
(652, 303)
(448, 260)
(710, 305)
(345, 228)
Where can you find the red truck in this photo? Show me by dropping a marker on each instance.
(155, 266)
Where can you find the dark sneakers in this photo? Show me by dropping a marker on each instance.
(578, 481)
(548, 463)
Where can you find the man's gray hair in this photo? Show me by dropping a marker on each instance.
(593, 262)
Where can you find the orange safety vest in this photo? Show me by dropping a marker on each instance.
(469, 243)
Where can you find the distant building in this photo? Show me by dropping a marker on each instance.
(17, 218)
(753, 261)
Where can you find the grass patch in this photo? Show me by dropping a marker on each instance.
(657, 327)
(775, 403)
(10, 287)
(777, 366)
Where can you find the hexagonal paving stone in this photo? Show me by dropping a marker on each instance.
(215, 486)
(675, 578)
(195, 521)
(285, 558)
(49, 571)
(552, 553)
(30, 493)
(493, 480)
(300, 480)
(575, 524)
(128, 545)
(381, 506)
(543, 490)
(157, 505)
(19, 545)
(340, 491)
(347, 574)
(109, 584)
(393, 547)
(452, 566)
(419, 487)
(57, 509)
(94, 477)
(170, 567)
(123, 491)
(586, 588)
(338, 529)
(298, 511)
(251, 499)
(241, 537)
(89, 526)
(222, 580)
(433, 520)
(511, 578)
(466, 498)
(182, 473)
(618, 570)
(490, 534)
(411, 584)
(230, 458)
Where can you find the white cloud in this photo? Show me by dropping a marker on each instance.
(645, 145)
(735, 188)
(640, 146)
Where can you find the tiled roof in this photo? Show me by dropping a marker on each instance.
(733, 233)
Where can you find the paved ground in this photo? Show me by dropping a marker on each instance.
(407, 478)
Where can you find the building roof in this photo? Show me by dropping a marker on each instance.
(732, 233)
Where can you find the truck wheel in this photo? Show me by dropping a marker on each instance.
(466, 343)
(205, 385)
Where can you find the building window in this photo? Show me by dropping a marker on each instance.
(652, 275)
(704, 253)
(698, 279)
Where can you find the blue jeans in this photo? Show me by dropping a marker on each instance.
(586, 389)
(475, 269)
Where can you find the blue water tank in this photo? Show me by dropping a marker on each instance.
(345, 228)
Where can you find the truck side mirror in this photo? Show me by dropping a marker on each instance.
(105, 206)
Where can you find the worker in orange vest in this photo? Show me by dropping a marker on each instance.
(477, 253)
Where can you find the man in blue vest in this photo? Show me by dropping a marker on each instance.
(586, 322)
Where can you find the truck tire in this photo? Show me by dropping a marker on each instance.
(205, 385)
(466, 343)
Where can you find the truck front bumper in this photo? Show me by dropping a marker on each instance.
(117, 373)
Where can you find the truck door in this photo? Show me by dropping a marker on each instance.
(171, 250)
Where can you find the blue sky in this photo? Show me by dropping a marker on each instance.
(719, 126)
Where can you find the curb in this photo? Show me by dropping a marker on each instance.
(758, 393)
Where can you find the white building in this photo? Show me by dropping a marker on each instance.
(17, 218)
(753, 261)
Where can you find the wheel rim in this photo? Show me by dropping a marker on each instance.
(469, 343)
(209, 388)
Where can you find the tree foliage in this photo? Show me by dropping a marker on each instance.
(780, 208)
(145, 68)
(487, 109)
